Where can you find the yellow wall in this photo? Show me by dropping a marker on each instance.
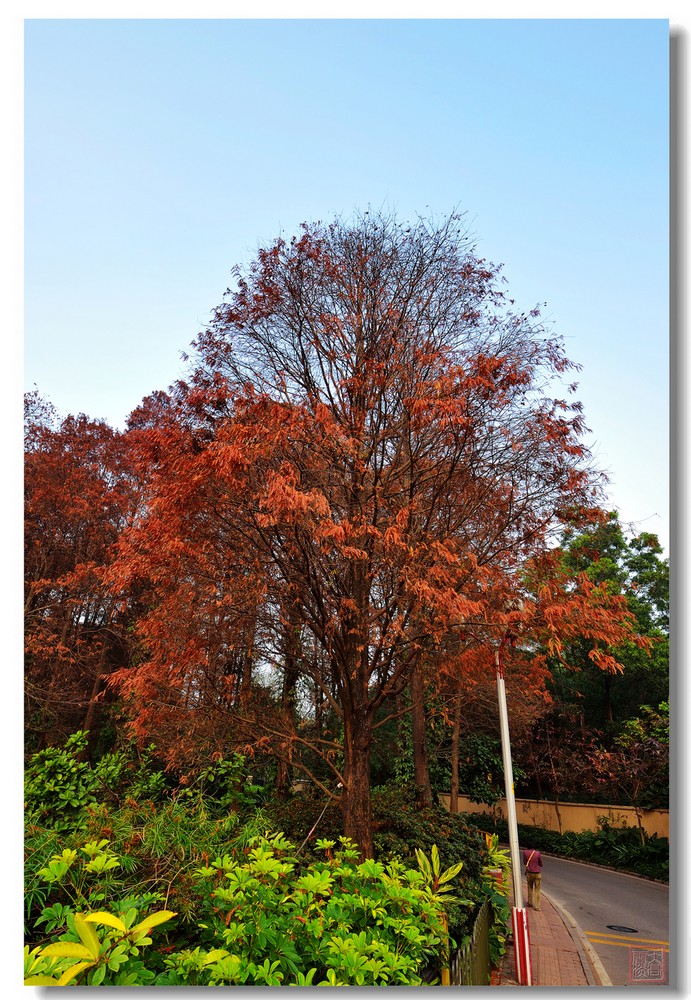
(574, 816)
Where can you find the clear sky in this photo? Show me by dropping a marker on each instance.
(159, 153)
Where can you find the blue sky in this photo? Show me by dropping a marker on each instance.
(160, 153)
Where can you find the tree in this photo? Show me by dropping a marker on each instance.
(367, 435)
(637, 767)
(79, 494)
(633, 568)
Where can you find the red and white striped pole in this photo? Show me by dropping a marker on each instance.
(521, 946)
(519, 916)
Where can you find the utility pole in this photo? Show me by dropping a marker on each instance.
(519, 916)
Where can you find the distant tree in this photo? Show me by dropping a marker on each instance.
(636, 768)
(79, 494)
(633, 568)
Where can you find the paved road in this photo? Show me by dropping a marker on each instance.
(625, 919)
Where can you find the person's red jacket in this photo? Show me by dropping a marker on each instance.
(532, 861)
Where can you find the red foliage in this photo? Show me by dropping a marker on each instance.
(79, 494)
(366, 455)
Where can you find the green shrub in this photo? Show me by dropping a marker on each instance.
(71, 879)
(332, 922)
(85, 956)
(158, 847)
(221, 787)
(58, 785)
(263, 918)
(400, 827)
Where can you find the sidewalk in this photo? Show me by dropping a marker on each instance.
(558, 954)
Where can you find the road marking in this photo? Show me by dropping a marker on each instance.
(623, 941)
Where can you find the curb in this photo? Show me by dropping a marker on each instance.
(592, 966)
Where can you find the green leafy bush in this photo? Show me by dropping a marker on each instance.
(400, 827)
(71, 879)
(59, 785)
(263, 918)
(83, 956)
(158, 847)
(333, 922)
(221, 787)
(210, 853)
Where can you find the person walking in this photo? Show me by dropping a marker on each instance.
(533, 871)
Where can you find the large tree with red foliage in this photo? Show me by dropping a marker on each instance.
(368, 439)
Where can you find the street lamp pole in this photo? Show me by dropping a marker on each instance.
(519, 916)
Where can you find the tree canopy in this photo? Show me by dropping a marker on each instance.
(371, 448)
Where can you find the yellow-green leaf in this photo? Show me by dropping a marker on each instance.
(214, 956)
(41, 981)
(67, 949)
(451, 872)
(154, 920)
(74, 971)
(103, 917)
(88, 935)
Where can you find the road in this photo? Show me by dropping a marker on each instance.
(625, 919)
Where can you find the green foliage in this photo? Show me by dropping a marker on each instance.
(637, 767)
(58, 785)
(332, 922)
(496, 871)
(84, 956)
(298, 814)
(157, 848)
(401, 769)
(400, 827)
(262, 916)
(39, 845)
(481, 768)
(436, 880)
(125, 771)
(498, 929)
(246, 904)
(124, 801)
(634, 568)
(73, 879)
(496, 874)
(221, 787)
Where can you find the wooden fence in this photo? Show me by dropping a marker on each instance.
(470, 964)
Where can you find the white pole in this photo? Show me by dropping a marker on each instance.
(519, 915)
(516, 867)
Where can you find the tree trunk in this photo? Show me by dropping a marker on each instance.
(247, 665)
(455, 743)
(608, 697)
(356, 805)
(290, 676)
(93, 700)
(639, 820)
(423, 785)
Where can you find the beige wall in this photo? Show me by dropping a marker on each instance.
(574, 816)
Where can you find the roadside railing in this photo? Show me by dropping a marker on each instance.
(470, 964)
